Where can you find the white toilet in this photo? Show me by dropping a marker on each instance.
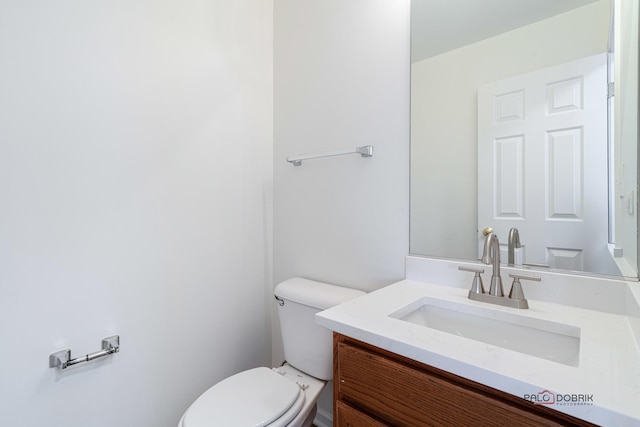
(284, 396)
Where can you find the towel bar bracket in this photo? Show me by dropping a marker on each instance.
(365, 150)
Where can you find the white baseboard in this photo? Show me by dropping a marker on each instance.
(323, 419)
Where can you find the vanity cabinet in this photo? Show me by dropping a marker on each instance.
(376, 388)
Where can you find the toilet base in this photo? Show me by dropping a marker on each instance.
(308, 422)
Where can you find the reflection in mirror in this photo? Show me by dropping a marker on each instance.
(514, 123)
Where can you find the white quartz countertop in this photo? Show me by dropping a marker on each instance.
(609, 362)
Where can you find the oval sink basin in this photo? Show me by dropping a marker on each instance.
(545, 339)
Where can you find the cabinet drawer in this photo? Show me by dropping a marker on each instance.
(346, 416)
(403, 395)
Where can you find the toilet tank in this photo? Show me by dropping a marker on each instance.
(307, 346)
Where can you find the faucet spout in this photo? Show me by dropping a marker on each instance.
(491, 254)
(486, 252)
(514, 243)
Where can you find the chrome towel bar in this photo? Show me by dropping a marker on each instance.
(364, 151)
(63, 360)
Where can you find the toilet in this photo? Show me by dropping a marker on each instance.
(286, 395)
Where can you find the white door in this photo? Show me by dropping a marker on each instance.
(542, 163)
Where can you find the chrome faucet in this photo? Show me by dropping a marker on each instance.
(491, 254)
(514, 242)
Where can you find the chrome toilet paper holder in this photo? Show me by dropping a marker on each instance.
(63, 360)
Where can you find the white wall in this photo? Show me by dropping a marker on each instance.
(135, 171)
(341, 80)
(444, 124)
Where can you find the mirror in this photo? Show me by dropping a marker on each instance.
(466, 56)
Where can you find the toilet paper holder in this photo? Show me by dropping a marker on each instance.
(63, 360)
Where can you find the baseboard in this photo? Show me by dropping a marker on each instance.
(323, 419)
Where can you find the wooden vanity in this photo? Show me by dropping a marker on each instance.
(374, 387)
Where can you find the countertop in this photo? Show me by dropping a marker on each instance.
(609, 362)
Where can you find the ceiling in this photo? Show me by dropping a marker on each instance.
(438, 26)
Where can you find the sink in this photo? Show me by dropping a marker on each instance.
(557, 342)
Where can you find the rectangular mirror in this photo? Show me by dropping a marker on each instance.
(524, 114)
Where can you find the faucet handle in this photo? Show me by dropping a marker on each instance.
(471, 269)
(516, 292)
(520, 277)
(476, 286)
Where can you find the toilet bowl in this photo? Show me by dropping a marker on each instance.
(287, 395)
(275, 397)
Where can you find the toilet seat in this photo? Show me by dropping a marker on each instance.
(258, 397)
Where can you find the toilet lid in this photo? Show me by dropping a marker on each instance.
(254, 398)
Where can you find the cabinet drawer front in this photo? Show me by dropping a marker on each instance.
(346, 416)
(402, 395)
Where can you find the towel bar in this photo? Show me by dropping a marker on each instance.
(364, 151)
